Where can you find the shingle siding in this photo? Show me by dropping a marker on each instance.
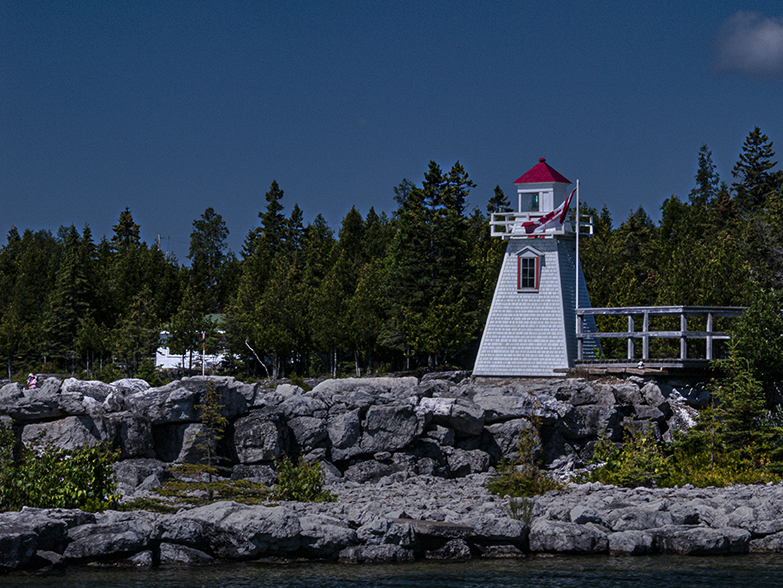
(533, 333)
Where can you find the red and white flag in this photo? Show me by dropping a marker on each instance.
(550, 220)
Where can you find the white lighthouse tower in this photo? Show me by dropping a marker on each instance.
(531, 327)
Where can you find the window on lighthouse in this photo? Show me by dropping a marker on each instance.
(529, 202)
(527, 273)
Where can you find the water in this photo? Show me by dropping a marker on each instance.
(757, 571)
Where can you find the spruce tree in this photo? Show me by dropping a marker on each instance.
(208, 256)
(754, 180)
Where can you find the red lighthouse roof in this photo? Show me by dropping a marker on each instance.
(541, 173)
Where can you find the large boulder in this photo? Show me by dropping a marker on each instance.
(130, 432)
(460, 414)
(90, 388)
(32, 530)
(631, 543)
(344, 430)
(17, 546)
(234, 531)
(325, 537)
(560, 537)
(373, 386)
(130, 385)
(173, 554)
(391, 427)
(132, 472)
(463, 463)
(176, 402)
(29, 405)
(506, 435)
(701, 540)
(120, 535)
(262, 436)
(358, 554)
(304, 405)
(507, 403)
(309, 433)
(578, 423)
(68, 433)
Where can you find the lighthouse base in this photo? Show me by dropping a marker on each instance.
(531, 331)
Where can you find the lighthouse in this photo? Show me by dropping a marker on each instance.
(531, 326)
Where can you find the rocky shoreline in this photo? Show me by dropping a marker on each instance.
(403, 520)
(408, 460)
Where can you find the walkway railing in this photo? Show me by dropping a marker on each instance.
(645, 334)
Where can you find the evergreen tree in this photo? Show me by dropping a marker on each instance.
(707, 180)
(207, 255)
(755, 182)
(68, 301)
(137, 336)
(498, 202)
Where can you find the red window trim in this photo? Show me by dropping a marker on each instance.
(537, 273)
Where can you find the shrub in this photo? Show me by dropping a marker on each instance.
(639, 462)
(700, 457)
(45, 476)
(302, 481)
(522, 477)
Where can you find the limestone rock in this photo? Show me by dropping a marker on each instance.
(631, 543)
(375, 554)
(90, 388)
(390, 427)
(173, 554)
(261, 436)
(559, 537)
(235, 531)
(68, 433)
(701, 540)
(460, 414)
(325, 537)
(505, 404)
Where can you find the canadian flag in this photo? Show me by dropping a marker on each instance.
(556, 218)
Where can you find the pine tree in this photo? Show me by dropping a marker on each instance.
(68, 301)
(707, 180)
(498, 202)
(755, 182)
(207, 255)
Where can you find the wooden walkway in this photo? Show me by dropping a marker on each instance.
(639, 316)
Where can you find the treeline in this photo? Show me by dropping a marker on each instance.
(383, 294)
(404, 292)
(720, 246)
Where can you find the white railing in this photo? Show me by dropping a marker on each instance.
(509, 224)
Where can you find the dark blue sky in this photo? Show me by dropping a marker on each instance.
(171, 107)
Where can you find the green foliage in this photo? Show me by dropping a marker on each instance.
(521, 509)
(302, 481)
(213, 424)
(403, 292)
(523, 477)
(45, 476)
(297, 380)
(703, 456)
(639, 462)
(196, 485)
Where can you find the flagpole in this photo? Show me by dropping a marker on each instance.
(577, 245)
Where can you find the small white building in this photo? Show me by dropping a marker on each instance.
(165, 360)
(531, 327)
